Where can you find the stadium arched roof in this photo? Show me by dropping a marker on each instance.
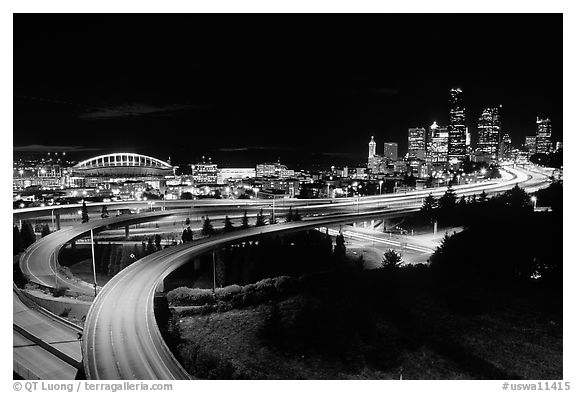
(122, 164)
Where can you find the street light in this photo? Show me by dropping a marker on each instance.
(381, 182)
(534, 199)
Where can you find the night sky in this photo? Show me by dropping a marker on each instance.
(248, 88)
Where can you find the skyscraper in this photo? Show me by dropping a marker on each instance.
(391, 150)
(373, 159)
(530, 144)
(505, 146)
(417, 143)
(489, 132)
(543, 135)
(438, 146)
(457, 127)
(371, 148)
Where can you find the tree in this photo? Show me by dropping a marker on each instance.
(207, 228)
(17, 241)
(150, 247)
(187, 235)
(428, 205)
(228, 224)
(448, 200)
(297, 216)
(104, 213)
(340, 247)
(27, 234)
(462, 202)
(85, 217)
(158, 242)
(260, 220)
(290, 216)
(391, 260)
(187, 221)
(245, 220)
(45, 230)
(517, 198)
(483, 197)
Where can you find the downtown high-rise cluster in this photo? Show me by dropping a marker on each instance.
(444, 147)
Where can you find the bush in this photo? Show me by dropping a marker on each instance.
(65, 313)
(184, 296)
(285, 284)
(58, 291)
(227, 293)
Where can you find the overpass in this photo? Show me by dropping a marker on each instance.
(157, 361)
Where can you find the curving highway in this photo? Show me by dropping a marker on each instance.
(122, 339)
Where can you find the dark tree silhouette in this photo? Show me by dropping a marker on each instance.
(245, 220)
(297, 216)
(483, 197)
(85, 217)
(517, 198)
(448, 200)
(260, 220)
(17, 241)
(428, 205)
(462, 202)
(187, 235)
(228, 224)
(290, 216)
(391, 260)
(340, 247)
(158, 242)
(27, 234)
(104, 213)
(45, 230)
(207, 228)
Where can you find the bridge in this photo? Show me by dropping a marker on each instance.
(121, 338)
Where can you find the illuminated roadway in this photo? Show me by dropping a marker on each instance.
(122, 340)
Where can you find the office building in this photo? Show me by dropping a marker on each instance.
(391, 151)
(505, 147)
(543, 135)
(205, 172)
(417, 143)
(439, 144)
(457, 126)
(235, 174)
(530, 144)
(273, 170)
(489, 132)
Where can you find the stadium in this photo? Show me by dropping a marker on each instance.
(122, 165)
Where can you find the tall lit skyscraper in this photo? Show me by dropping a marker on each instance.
(505, 146)
(391, 150)
(530, 144)
(489, 132)
(543, 135)
(437, 151)
(373, 159)
(457, 127)
(417, 143)
(371, 148)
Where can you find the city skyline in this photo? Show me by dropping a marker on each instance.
(239, 105)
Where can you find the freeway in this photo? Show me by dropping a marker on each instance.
(44, 346)
(124, 341)
(121, 338)
(40, 261)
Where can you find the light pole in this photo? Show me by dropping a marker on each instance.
(381, 182)
(93, 260)
(534, 199)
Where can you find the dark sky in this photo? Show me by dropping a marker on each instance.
(249, 88)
